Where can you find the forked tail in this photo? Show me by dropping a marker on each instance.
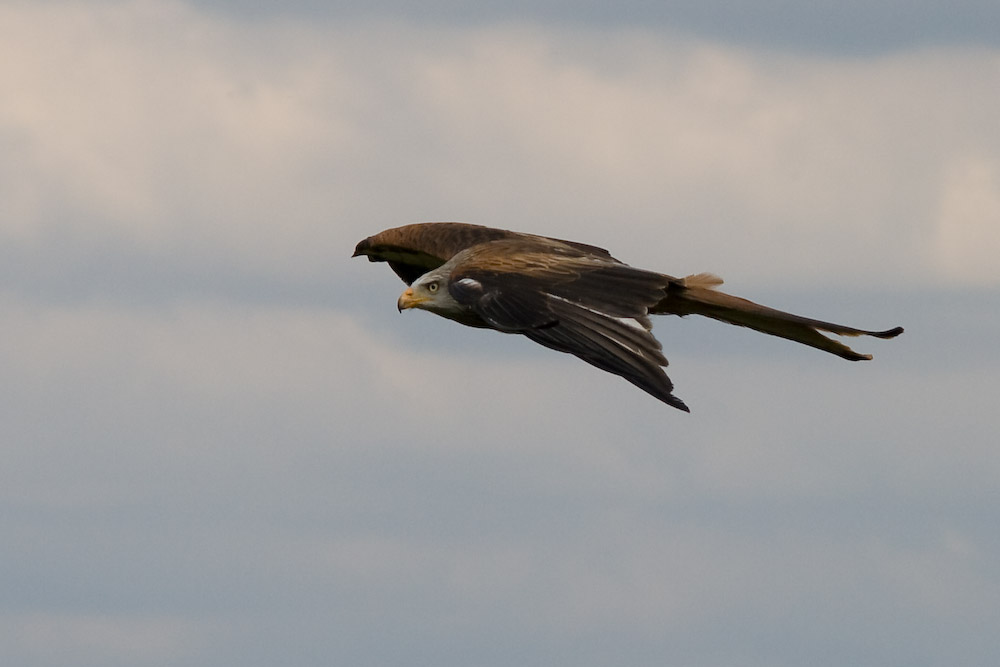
(696, 295)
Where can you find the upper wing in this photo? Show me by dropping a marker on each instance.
(413, 250)
(593, 309)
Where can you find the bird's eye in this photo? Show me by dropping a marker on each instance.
(432, 287)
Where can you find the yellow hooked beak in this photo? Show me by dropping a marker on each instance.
(408, 299)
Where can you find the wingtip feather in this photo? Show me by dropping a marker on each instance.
(889, 333)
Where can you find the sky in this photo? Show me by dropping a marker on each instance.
(220, 444)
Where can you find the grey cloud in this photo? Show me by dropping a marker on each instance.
(810, 27)
(222, 445)
(206, 461)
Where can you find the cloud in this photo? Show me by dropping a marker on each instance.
(154, 132)
(967, 232)
(42, 638)
(803, 27)
(219, 447)
(147, 129)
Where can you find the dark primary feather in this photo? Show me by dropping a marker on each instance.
(611, 346)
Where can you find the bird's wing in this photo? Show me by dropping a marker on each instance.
(572, 302)
(413, 250)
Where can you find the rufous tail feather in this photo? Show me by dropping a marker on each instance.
(696, 295)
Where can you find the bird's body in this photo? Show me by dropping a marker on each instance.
(572, 297)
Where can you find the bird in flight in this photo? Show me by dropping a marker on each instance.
(573, 297)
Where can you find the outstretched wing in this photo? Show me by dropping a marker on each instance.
(413, 250)
(591, 307)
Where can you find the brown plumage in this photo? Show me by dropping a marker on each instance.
(573, 297)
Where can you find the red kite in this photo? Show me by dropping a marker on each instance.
(573, 297)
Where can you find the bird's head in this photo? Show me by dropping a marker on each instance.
(430, 292)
